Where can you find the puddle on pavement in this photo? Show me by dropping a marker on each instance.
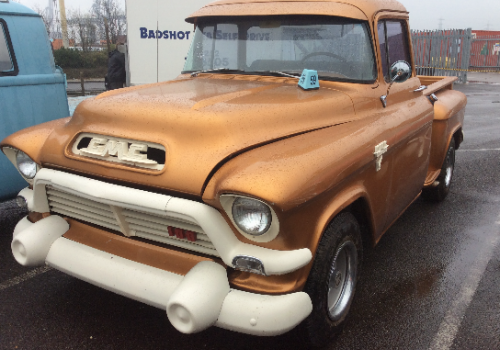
(419, 286)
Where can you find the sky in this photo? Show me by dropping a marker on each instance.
(424, 14)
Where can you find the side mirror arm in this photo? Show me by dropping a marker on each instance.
(401, 71)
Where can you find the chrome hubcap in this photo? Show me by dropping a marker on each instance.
(447, 178)
(338, 279)
(342, 280)
(450, 160)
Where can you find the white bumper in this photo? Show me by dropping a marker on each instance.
(193, 302)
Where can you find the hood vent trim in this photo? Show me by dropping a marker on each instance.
(140, 154)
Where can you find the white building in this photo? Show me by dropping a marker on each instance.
(158, 38)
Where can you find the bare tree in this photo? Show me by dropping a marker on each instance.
(115, 16)
(46, 18)
(82, 29)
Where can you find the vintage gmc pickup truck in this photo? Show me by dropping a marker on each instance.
(231, 196)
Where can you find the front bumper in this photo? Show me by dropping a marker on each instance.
(193, 302)
(195, 298)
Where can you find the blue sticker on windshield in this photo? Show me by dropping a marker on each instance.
(309, 80)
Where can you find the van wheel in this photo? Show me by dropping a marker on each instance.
(332, 280)
(438, 193)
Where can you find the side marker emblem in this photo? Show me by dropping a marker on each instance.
(380, 150)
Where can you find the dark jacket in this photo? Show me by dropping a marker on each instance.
(116, 67)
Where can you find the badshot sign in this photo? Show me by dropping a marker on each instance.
(165, 34)
(158, 38)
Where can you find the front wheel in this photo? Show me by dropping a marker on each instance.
(438, 192)
(332, 280)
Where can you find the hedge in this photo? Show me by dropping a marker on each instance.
(71, 58)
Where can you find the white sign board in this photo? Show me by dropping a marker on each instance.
(158, 38)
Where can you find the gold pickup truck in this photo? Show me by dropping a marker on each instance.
(241, 194)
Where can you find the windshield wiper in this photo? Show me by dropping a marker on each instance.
(285, 74)
(226, 70)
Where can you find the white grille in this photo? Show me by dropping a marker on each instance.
(129, 222)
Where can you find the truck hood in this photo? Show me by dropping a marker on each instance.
(201, 122)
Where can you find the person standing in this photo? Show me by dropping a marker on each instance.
(116, 77)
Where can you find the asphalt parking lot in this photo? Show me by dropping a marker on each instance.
(431, 283)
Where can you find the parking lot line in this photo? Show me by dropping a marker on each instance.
(24, 277)
(451, 323)
(479, 150)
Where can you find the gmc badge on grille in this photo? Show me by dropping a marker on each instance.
(104, 148)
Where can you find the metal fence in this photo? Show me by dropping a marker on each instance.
(443, 52)
(485, 53)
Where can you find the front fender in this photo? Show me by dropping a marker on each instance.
(31, 140)
(306, 179)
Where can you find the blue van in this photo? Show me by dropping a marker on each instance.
(32, 88)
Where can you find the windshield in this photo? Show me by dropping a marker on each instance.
(339, 49)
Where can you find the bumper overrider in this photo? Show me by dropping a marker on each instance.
(193, 302)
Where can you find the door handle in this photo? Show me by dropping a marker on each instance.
(420, 88)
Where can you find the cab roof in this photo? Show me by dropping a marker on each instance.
(357, 9)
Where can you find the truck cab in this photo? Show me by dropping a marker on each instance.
(32, 88)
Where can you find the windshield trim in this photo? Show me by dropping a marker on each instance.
(275, 74)
(208, 21)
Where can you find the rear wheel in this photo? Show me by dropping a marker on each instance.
(332, 280)
(438, 192)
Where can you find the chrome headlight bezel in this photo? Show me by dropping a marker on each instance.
(12, 155)
(228, 200)
(26, 166)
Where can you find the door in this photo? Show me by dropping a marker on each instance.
(410, 114)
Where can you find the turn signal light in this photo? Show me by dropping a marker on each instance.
(249, 264)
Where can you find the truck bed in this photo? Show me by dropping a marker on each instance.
(435, 84)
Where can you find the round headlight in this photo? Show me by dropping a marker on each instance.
(251, 216)
(26, 165)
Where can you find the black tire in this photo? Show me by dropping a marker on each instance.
(330, 292)
(438, 193)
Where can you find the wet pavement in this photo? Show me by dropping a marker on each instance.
(431, 283)
(483, 78)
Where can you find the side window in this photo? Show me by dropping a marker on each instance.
(8, 64)
(393, 42)
(383, 47)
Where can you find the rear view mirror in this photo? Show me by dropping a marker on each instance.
(400, 72)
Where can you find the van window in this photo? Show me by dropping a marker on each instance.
(7, 62)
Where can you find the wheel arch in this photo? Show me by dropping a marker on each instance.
(356, 201)
(458, 135)
(362, 212)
